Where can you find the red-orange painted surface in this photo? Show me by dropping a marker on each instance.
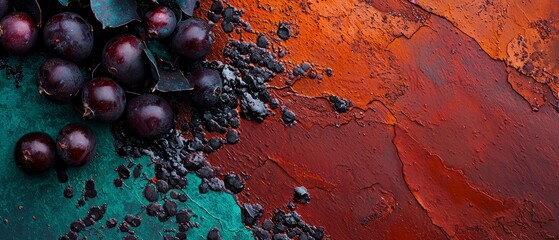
(455, 125)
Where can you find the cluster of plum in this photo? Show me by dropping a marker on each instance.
(70, 38)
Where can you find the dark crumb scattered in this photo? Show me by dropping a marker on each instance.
(97, 212)
(291, 206)
(124, 227)
(288, 117)
(137, 170)
(284, 31)
(182, 216)
(81, 202)
(213, 234)
(89, 190)
(134, 221)
(285, 225)
(150, 193)
(274, 103)
(262, 41)
(123, 172)
(154, 209)
(251, 213)
(129, 237)
(232, 136)
(183, 197)
(68, 192)
(118, 182)
(300, 194)
(77, 226)
(170, 207)
(312, 74)
(204, 187)
(88, 222)
(162, 186)
(339, 104)
(328, 72)
(61, 172)
(233, 183)
(111, 223)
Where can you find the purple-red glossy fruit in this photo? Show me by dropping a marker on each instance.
(103, 100)
(160, 22)
(59, 80)
(123, 57)
(149, 116)
(35, 153)
(193, 39)
(4, 6)
(18, 33)
(75, 144)
(69, 35)
(207, 84)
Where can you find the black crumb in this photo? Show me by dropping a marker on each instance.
(339, 104)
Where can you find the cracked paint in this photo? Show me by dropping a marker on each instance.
(452, 127)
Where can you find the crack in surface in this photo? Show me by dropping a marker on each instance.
(408, 185)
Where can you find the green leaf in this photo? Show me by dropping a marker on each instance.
(114, 13)
(64, 2)
(159, 50)
(188, 6)
(166, 80)
(172, 81)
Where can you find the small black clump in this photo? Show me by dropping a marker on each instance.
(339, 104)
(300, 194)
(134, 221)
(150, 193)
(284, 31)
(68, 192)
(233, 183)
(214, 234)
(262, 41)
(111, 223)
(288, 117)
(251, 213)
(123, 172)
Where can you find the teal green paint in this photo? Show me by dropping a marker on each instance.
(23, 110)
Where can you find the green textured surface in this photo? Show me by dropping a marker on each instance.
(23, 110)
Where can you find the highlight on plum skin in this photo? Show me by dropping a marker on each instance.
(18, 33)
(123, 57)
(59, 80)
(35, 153)
(149, 116)
(69, 35)
(76, 144)
(193, 39)
(160, 22)
(103, 100)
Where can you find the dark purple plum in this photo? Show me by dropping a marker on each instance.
(75, 144)
(59, 80)
(4, 6)
(69, 35)
(123, 57)
(149, 116)
(207, 84)
(35, 153)
(103, 100)
(18, 33)
(193, 39)
(160, 22)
